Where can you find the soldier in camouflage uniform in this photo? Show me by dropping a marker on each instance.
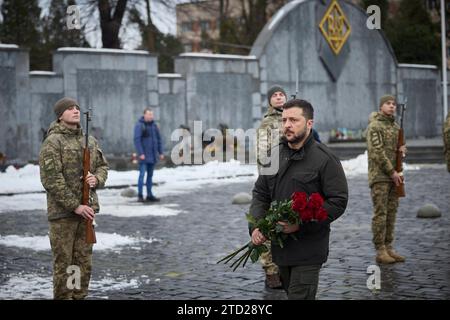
(446, 136)
(382, 139)
(61, 169)
(268, 135)
(270, 129)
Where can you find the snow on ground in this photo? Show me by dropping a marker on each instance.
(23, 202)
(34, 286)
(112, 203)
(179, 178)
(170, 181)
(118, 206)
(356, 166)
(359, 166)
(27, 178)
(105, 241)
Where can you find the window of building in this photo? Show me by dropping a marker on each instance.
(205, 25)
(186, 26)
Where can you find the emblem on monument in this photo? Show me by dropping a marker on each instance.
(335, 27)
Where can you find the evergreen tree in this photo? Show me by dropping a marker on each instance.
(55, 31)
(58, 33)
(384, 8)
(414, 38)
(22, 26)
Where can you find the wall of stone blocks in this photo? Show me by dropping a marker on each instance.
(221, 89)
(117, 84)
(421, 86)
(45, 89)
(15, 103)
(172, 106)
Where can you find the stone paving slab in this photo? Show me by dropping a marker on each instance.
(182, 264)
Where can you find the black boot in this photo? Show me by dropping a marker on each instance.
(273, 281)
(151, 198)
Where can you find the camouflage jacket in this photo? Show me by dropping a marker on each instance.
(61, 166)
(265, 138)
(382, 139)
(446, 136)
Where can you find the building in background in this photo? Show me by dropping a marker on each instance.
(198, 23)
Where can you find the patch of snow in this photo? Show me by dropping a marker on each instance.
(105, 241)
(34, 286)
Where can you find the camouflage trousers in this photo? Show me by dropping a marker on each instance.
(266, 261)
(69, 249)
(385, 204)
(447, 159)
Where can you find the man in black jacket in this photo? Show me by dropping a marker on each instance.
(304, 166)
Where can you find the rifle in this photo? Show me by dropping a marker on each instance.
(294, 96)
(399, 156)
(90, 232)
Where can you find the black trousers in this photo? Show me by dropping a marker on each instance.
(300, 282)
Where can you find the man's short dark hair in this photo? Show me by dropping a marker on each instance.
(147, 110)
(308, 110)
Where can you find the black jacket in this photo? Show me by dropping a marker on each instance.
(313, 168)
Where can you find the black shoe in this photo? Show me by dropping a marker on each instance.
(273, 281)
(141, 199)
(152, 199)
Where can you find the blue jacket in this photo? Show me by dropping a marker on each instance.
(316, 135)
(147, 140)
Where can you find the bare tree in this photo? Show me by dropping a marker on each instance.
(110, 22)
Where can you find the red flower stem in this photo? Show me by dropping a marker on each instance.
(239, 261)
(236, 253)
(232, 255)
(248, 256)
(242, 257)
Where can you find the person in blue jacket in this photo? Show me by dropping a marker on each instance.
(316, 135)
(149, 147)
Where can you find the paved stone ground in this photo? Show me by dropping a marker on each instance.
(183, 264)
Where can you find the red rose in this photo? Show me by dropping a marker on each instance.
(306, 214)
(299, 201)
(321, 214)
(315, 201)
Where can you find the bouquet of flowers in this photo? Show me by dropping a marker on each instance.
(300, 209)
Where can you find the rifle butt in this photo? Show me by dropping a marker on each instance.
(400, 190)
(90, 233)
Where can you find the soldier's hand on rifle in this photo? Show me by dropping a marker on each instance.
(91, 180)
(403, 150)
(396, 178)
(257, 237)
(142, 157)
(85, 211)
